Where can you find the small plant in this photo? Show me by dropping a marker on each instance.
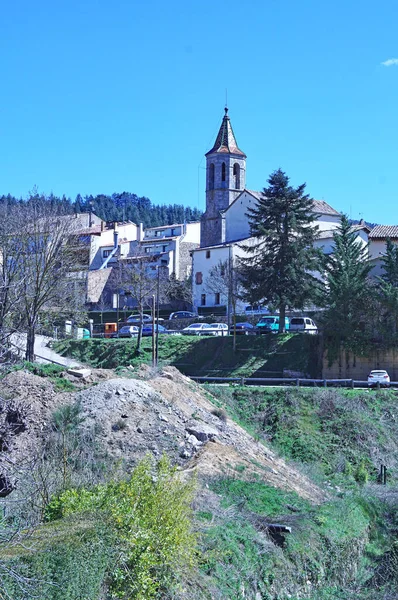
(220, 413)
(120, 425)
(361, 475)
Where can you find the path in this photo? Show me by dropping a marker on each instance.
(44, 354)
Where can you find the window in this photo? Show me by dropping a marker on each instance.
(198, 278)
(211, 177)
(164, 248)
(163, 261)
(203, 300)
(207, 253)
(173, 232)
(223, 172)
(217, 298)
(237, 176)
(106, 253)
(147, 250)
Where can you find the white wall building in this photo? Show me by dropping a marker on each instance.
(225, 223)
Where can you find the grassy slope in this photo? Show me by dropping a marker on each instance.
(346, 548)
(260, 356)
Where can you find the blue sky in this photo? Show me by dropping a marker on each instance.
(102, 97)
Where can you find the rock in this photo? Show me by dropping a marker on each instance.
(202, 431)
(124, 416)
(79, 372)
(163, 418)
(194, 441)
(140, 430)
(185, 454)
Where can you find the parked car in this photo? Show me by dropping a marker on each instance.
(197, 329)
(256, 310)
(219, 328)
(271, 324)
(303, 325)
(378, 376)
(137, 319)
(128, 331)
(243, 329)
(149, 329)
(183, 314)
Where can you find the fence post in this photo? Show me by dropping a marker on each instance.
(298, 382)
(352, 384)
(325, 383)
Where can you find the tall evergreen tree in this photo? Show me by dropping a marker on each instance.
(390, 264)
(347, 270)
(281, 255)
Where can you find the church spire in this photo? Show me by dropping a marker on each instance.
(225, 141)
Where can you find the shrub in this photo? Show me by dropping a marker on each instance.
(152, 518)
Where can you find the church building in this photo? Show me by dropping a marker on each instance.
(225, 223)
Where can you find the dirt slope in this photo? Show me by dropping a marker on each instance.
(156, 412)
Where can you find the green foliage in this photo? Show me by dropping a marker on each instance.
(258, 356)
(117, 207)
(53, 372)
(327, 544)
(151, 516)
(347, 292)
(258, 497)
(361, 474)
(334, 430)
(279, 264)
(68, 563)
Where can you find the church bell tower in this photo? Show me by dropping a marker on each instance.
(225, 180)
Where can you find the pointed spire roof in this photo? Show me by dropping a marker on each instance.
(225, 141)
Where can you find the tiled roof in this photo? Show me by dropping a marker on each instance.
(323, 208)
(384, 231)
(319, 206)
(225, 141)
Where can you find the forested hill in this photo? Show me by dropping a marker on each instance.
(120, 207)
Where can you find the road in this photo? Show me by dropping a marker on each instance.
(43, 353)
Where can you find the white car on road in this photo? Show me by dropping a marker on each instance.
(218, 329)
(198, 329)
(379, 377)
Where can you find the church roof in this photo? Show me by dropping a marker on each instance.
(225, 141)
(319, 206)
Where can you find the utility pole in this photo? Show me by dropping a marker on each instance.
(154, 357)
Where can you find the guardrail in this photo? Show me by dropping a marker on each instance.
(290, 381)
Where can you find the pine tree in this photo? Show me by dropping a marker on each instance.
(281, 255)
(347, 270)
(390, 264)
(388, 293)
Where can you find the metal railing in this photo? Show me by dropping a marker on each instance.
(290, 381)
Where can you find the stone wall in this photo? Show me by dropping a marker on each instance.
(359, 367)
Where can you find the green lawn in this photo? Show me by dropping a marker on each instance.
(262, 356)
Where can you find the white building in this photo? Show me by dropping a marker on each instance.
(225, 223)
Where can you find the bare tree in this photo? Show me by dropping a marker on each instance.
(10, 277)
(224, 279)
(45, 264)
(139, 280)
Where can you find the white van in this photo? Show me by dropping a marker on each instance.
(303, 325)
(257, 310)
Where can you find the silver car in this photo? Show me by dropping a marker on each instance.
(378, 377)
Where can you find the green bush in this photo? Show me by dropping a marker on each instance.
(151, 516)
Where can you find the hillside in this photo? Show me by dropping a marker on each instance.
(266, 527)
(256, 356)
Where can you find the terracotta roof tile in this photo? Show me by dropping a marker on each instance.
(319, 206)
(384, 232)
(225, 141)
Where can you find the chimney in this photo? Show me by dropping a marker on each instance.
(115, 238)
(102, 225)
(140, 232)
